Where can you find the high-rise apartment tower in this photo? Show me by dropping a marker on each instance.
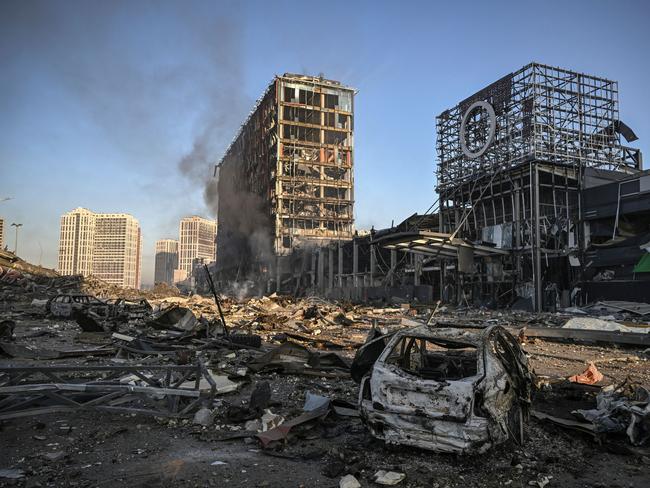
(166, 261)
(105, 245)
(197, 239)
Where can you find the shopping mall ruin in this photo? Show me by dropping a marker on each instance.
(286, 181)
(520, 218)
(541, 203)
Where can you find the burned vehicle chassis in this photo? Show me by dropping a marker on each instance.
(447, 390)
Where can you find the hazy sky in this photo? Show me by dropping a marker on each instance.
(100, 101)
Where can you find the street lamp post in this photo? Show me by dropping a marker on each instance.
(17, 226)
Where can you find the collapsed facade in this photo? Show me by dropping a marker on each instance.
(286, 181)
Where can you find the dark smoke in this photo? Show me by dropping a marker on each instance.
(223, 111)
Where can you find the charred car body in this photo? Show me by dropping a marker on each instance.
(444, 389)
(65, 305)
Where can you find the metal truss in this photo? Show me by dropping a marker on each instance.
(160, 390)
(542, 113)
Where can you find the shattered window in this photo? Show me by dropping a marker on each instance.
(434, 359)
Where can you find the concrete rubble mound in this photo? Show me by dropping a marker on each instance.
(95, 382)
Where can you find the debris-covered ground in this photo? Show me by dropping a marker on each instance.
(283, 411)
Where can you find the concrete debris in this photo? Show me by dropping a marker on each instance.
(270, 420)
(589, 323)
(283, 385)
(203, 416)
(388, 478)
(253, 426)
(174, 317)
(349, 481)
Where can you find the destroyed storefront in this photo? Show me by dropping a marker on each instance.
(616, 263)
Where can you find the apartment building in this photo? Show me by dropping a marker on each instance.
(77, 242)
(105, 245)
(166, 261)
(197, 239)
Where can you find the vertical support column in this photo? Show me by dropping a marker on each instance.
(517, 229)
(313, 268)
(393, 265)
(355, 263)
(340, 256)
(373, 264)
(321, 269)
(278, 273)
(537, 254)
(417, 269)
(330, 267)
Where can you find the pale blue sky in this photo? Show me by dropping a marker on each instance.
(100, 100)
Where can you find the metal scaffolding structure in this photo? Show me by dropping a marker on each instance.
(511, 162)
(539, 113)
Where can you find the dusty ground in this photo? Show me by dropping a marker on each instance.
(98, 449)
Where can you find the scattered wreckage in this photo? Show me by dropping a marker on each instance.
(444, 389)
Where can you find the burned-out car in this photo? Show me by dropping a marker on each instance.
(65, 305)
(444, 389)
(123, 309)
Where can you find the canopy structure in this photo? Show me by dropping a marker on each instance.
(434, 244)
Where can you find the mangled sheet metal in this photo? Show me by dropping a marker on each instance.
(622, 409)
(292, 358)
(447, 389)
(174, 318)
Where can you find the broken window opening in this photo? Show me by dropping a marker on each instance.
(335, 137)
(434, 360)
(309, 98)
(331, 101)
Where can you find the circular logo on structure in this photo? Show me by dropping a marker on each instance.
(477, 129)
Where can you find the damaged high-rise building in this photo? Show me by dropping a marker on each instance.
(286, 181)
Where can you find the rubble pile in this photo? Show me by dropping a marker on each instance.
(287, 391)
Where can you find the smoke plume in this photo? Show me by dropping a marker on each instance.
(223, 111)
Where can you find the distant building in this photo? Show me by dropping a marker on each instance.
(105, 245)
(197, 239)
(77, 242)
(166, 261)
(2, 233)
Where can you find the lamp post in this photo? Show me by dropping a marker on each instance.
(17, 226)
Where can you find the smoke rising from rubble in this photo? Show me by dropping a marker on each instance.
(223, 111)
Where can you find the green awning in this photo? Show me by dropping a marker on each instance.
(643, 266)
